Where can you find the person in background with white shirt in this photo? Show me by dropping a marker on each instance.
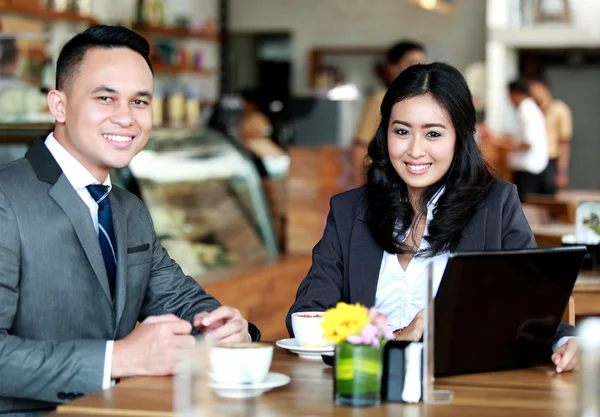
(428, 192)
(529, 146)
(559, 128)
(80, 263)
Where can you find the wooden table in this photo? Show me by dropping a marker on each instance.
(530, 392)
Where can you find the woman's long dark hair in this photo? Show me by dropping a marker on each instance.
(466, 182)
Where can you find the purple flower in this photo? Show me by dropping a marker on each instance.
(377, 318)
(388, 333)
(374, 331)
(369, 336)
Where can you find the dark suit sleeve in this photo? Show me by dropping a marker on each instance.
(516, 234)
(38, 369)
(322, 287)
(171, 291)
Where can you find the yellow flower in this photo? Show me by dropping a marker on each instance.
(344, 320)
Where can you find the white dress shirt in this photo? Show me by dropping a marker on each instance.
(401, 294)
(80, 178)
(531, 130)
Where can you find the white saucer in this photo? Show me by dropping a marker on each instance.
(313, 354)
(228, 390)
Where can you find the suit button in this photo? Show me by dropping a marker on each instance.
(62, 396)
(79, 394)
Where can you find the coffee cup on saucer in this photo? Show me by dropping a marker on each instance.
(307, 329)
(240, 363)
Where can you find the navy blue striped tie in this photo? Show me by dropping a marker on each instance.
(106, 232)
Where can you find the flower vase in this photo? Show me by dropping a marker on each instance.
(358, 371)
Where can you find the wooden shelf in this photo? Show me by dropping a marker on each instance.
(46, 14)
(23, 133)
(176, 69)
(175, 32)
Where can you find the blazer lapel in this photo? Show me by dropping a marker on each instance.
(47, 169)
(78, 213)
(364, 264)
(120, 226)
(473, 235)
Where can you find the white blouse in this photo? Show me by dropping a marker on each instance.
(401, 294)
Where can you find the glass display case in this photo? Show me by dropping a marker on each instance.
(203, 192)
(205, 197)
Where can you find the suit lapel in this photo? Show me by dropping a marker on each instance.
(364, 264)
(47, 169)
(67, 198)
(473, 235)
(120, 226)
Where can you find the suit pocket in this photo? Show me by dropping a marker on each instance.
(139, 248)
(139, 255)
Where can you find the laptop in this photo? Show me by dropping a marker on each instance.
(500, 310)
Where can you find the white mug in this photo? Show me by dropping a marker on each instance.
(240, 363)
(307, 328)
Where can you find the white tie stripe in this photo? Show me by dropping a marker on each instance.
(109, 241)
(103, 197)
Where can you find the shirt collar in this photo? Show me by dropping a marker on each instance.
(432, 204)
(78, 176)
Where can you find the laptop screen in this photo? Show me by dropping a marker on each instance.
(501, 310)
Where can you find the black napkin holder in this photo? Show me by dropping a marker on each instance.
(394, 376)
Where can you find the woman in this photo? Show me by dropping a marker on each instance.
(428, 192)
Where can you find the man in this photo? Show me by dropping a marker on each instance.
(79, 260)
(17, 98)
(529, 146)
(254, 123)
(399, 57)
(9, 56)
(559, 128)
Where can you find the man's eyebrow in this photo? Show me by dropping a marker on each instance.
(104, 89)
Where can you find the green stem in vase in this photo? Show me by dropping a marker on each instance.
(358, 370)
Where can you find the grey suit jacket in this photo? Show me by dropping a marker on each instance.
(346, 262)
(56, 311)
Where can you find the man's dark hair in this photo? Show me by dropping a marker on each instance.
(102, 36)
(519, 86)
(8, 51)
(398, 50)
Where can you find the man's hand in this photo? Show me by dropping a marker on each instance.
(223, 325)
(414, 331)
(151, 348)
(565, 357)
(561, 180)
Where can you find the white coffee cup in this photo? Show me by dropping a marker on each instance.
(240, 363)
(307, 328)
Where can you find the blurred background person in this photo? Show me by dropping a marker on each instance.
(529, 145)
(9, 57)
(399, 57)
(17, 97)
(559, 129)
(254, 123)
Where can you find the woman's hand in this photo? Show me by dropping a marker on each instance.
(565, 357)
(414, 331)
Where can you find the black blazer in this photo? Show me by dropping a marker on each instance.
(347, 259)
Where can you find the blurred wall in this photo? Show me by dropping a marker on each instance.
(458, 38)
